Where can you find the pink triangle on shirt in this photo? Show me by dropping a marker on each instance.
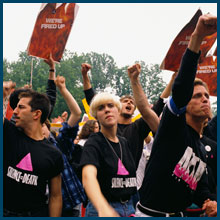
(25, 163)
(121, 169)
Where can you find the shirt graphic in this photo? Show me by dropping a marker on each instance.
(121, 169)
(190, 168)
(25, 163)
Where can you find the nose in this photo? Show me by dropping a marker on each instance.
(106, 108)
(205, 99)
(15, 111)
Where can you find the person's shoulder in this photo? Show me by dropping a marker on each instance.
(95, 140)
(208, 141)
(10, 126)
(95, 137)
(50, 147)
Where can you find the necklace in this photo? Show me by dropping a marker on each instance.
(114, 149)
(121, 168)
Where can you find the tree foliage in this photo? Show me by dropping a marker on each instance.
(104, 74)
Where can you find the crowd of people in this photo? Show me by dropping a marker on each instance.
(163, 164)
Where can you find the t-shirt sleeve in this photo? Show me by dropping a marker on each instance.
(158, 106)
(89, 94)
(58, 163)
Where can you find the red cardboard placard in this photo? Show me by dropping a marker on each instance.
(52, 29)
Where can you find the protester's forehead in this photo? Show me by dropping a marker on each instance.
(200, 88)
(123, 99)
(24, 100)
(106, 101)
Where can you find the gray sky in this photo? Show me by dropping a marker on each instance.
(126, 31)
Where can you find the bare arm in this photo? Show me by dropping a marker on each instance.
(75, 111)
(52, 71)
(167, 91)
(55, 197)
(93, 191)
(85, 67)
(7, 88)
(143, 106)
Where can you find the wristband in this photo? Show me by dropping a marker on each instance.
(52, 70)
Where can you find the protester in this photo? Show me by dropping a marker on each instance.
(50, 90)
(134, 132)
(72, 189)
(30, 161)
(210, 130)
(108, 168)
(176, 172)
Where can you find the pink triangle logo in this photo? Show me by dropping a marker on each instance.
(25, 163)
(121, 169)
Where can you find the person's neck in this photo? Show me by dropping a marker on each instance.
(34, 132)
(110, 133)
(124, 120)
(196, 123)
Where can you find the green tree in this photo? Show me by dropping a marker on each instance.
(104, 71)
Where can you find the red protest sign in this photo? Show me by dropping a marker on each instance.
(174, 55)
(207, 71)
(52, 29)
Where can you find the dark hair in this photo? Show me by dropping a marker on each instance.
(87, 129)
(128, 97)
(13, 100)
(47, 123)
(38, 101)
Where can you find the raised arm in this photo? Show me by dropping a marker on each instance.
(85, 67)
(183, 84)
(52, 71)
(206, 25)
(75, 111)
(51, 87)
(159, 104)
(93, 191)
(88, 90)
(143, 106)
(167, 91)
(7, 88)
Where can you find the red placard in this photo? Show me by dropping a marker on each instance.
(52, 29)
(207, 71)
(174, 55)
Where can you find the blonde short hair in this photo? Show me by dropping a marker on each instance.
(103, 98)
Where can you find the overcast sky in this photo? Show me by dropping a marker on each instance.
(127, 31)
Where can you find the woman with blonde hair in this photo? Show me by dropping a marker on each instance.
(108, 167)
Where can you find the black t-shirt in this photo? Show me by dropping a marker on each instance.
(135, 132)
(175, 167)
(176, 171)
(28, 165)
(210, 147)
(114, 184)
(210, 130)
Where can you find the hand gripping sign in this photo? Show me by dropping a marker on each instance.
(52, 29)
